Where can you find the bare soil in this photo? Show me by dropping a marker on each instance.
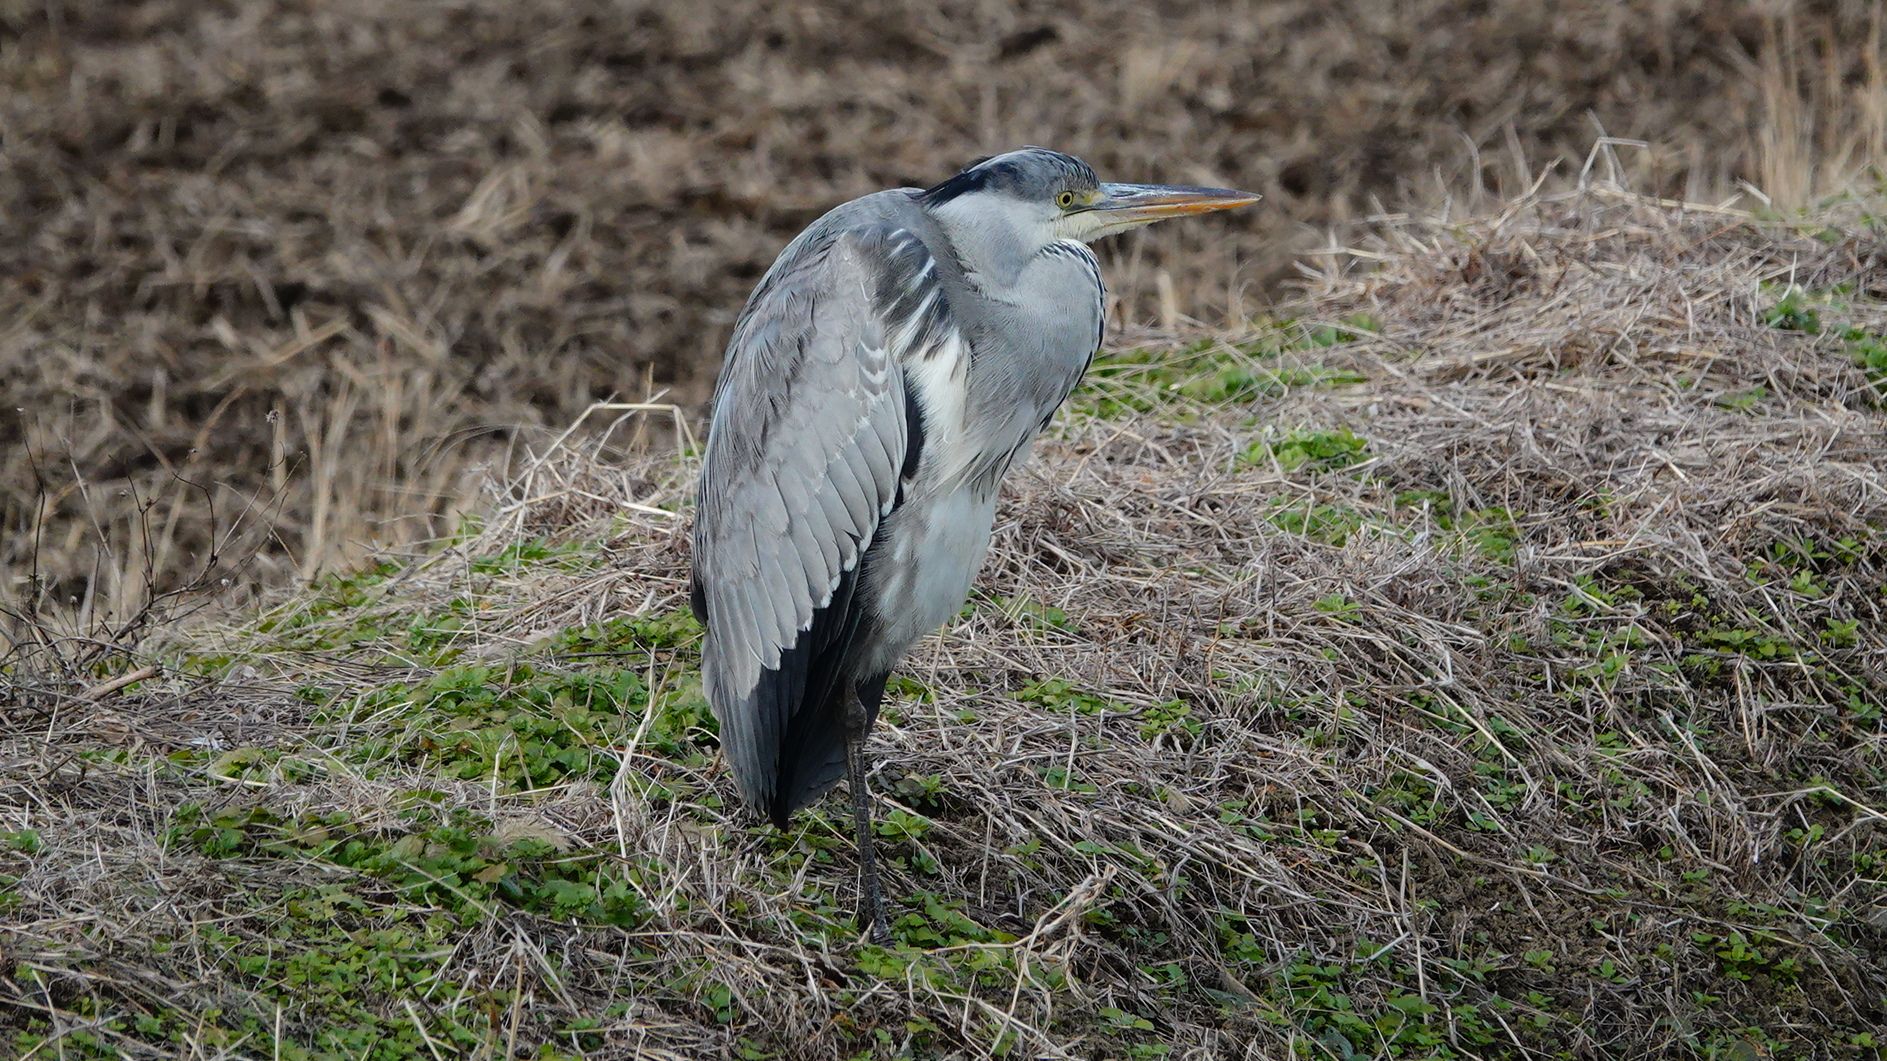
(277, 278)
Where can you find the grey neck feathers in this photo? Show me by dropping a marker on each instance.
(987, 232)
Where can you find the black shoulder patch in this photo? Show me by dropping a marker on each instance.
(913, 432)
(974, 176)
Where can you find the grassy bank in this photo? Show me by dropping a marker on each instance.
(1484, 661)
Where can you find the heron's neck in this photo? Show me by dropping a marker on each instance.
(989, 239)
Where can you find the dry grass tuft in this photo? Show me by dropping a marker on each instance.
(1487, 662)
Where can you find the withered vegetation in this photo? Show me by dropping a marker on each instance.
(1482, 658)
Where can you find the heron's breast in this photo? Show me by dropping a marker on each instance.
(928, 554)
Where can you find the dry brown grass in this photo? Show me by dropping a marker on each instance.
(1545, 721)
(327, 258)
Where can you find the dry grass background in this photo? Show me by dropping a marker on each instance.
(322, 261)
(1538, 715)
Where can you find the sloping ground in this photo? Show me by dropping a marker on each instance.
(325, 256)
(1487, 662)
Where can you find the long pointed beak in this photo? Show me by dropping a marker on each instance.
(1134, 204)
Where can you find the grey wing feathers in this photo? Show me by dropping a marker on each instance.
(803, 461)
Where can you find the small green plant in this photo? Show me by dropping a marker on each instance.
(1064, 779)
(571, 555)
(457, 861)
(1062, 696)
(1744, 956)
(1869, 352)
(1339, 607)
(1792, 312)
(1212, 372)
(1744, 401)
(1170, 717)
(1330, 524)
(1035, 614)
(1321, 450)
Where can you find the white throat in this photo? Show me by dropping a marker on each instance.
(995, 236)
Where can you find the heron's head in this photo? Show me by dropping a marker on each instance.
(1035, 197)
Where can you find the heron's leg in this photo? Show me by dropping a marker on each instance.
(871, 903)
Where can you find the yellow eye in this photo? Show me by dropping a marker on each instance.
(1065, 200)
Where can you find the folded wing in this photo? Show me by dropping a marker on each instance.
(804, 454)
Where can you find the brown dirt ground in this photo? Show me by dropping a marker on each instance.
(314, 260)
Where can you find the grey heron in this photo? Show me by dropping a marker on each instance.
(893, 364)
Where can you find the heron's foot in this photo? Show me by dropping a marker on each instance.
(872, 907)
(871, 914)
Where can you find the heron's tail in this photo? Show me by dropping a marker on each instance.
(785, 738)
